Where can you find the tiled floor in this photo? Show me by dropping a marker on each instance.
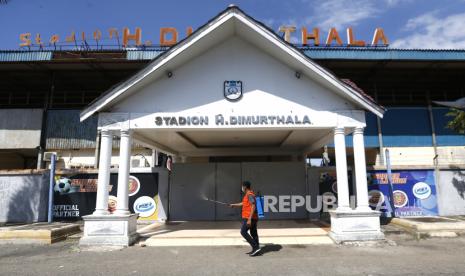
(227, 233)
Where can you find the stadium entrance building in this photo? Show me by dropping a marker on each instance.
(232, 102)
(233, 90)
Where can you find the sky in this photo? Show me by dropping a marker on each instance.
(406, 23)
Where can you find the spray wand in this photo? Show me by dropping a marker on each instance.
(215, 201)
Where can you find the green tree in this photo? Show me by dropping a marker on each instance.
(458, 122)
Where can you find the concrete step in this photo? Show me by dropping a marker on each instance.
(431, 227)
(38, 233)
(236, 241)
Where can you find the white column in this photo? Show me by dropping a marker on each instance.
(341, 170)
(360, 170)
(154, 158)
(106, 141)
(123, 173)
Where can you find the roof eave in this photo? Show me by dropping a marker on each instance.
(113, 93)
(371, 106)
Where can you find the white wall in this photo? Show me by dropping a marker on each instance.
(424, 156)
(269, 86)
(451, 193)
(86, 158)
(24, 198)
(20, 128)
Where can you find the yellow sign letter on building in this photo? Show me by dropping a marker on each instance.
(351, 39)
(113, 32)
(188, 31)
(26, 39)
(287, 30)
(38, 40)
(379, 35)
(163, 34)
(54, 39)
(97, 35)
(71, 37)
(333, 35)
(315, 36)
(128, 36)
(83, 36)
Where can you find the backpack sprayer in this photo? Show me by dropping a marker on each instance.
(259, 205)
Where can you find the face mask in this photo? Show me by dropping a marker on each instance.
(243, 189)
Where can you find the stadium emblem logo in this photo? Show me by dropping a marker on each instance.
(233, 90)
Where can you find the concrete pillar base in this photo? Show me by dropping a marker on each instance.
(112, 230)
(355, 225)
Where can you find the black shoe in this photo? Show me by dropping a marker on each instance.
(250, 252)
(255, 252)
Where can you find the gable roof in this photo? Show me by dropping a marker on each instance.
(260, 31)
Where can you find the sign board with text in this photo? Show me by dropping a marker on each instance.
(414, 193)
(75, 195)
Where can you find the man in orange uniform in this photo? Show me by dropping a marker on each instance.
(249, 218)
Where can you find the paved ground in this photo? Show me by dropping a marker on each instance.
(425, 257)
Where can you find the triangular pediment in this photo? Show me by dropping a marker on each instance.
(232, 26)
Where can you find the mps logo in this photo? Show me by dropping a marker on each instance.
(233, 90)
(421, 190)
(145, 206)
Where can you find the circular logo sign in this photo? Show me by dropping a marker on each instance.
(145, 206)
(334, 187)
(400, 198)
(134, 185)
(421, 190)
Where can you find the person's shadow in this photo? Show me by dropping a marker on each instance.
(269, 247)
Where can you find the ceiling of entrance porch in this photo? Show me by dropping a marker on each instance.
(235, 142)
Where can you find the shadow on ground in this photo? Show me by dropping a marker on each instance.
(270, 247)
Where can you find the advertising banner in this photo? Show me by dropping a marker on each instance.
(414, 193)
(328, 186)
(75, 195)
